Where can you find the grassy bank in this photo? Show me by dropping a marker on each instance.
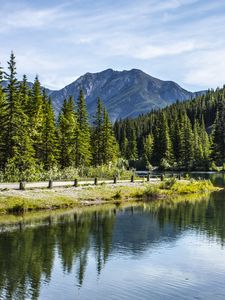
(60, 198)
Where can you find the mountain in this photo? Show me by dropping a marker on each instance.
(124, 93)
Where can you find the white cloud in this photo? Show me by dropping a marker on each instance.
(206, 69)
(28, 17)
(55, 41)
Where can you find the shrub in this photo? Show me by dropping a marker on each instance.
(168, 183)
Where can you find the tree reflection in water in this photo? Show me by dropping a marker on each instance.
(27, 255)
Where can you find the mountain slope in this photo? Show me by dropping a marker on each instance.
(125, 93)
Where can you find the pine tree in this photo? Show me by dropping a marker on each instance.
(3, 118)
(206, 145)
(187, 143)
(97, 135)
(10, 120)
(20, 152)
(25, 92)
(109, 144)
(49, 145)
(197, 144)
(36, 117)
(67, 128)
(82, 135)
(148, 145)
(132, 152)
(124, 144)
(163, 144)
(218, 148)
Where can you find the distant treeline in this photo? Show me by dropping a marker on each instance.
(186, 135)
(32, 139)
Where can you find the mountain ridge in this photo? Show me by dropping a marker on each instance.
(126, 93)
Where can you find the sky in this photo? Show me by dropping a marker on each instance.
(179, 40)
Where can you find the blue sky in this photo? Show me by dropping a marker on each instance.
(180, 40)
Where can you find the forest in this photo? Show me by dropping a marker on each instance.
(187, 135)
(33, 140)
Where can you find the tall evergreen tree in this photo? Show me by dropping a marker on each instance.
(3, 119)
(163, 144)
(97, 135)
(10, 120)
(20, 152)
(36, 117)
(218, 148)
(49, 145)
(187, 144)
(124, 144)
(67, 127)
(132, 151)
(109, 143)
(82, 135)
(148, 145)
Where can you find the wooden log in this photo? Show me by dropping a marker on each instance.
(50, 184)
(132, 178)
(22, 186)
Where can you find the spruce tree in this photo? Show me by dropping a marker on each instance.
(3, 128)
(124, 144)
(10, 120)
(163, 145)
(218, 136)
(187, 143)
(36, 117)
(148, 145)
(82, 135)
(49, 142)
(109, 143)
(97, 135)
(20, 152)
(132, 151)
(67, 128)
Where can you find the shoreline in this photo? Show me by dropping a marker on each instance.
(17, 201)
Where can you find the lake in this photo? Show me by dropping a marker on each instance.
(157, 250)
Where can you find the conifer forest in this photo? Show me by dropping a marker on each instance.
(188, 135)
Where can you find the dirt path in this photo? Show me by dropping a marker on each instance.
(55, 184)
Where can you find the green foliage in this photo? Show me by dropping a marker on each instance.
(168, 183)
(152, 192)
(148, 146)
(187, 135)
(82, 135)
(164, 164)
(118, 195)
(195, 186)
(33, 146)
(67, 123)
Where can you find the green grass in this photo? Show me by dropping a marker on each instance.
(25, 201)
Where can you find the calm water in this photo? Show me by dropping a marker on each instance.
(160, 250)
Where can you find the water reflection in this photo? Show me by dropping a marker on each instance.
(28, 255)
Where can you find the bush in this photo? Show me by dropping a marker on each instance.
(168, 183)
(151, 192)
(164, 164)
(214, 167)
(118, 169)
